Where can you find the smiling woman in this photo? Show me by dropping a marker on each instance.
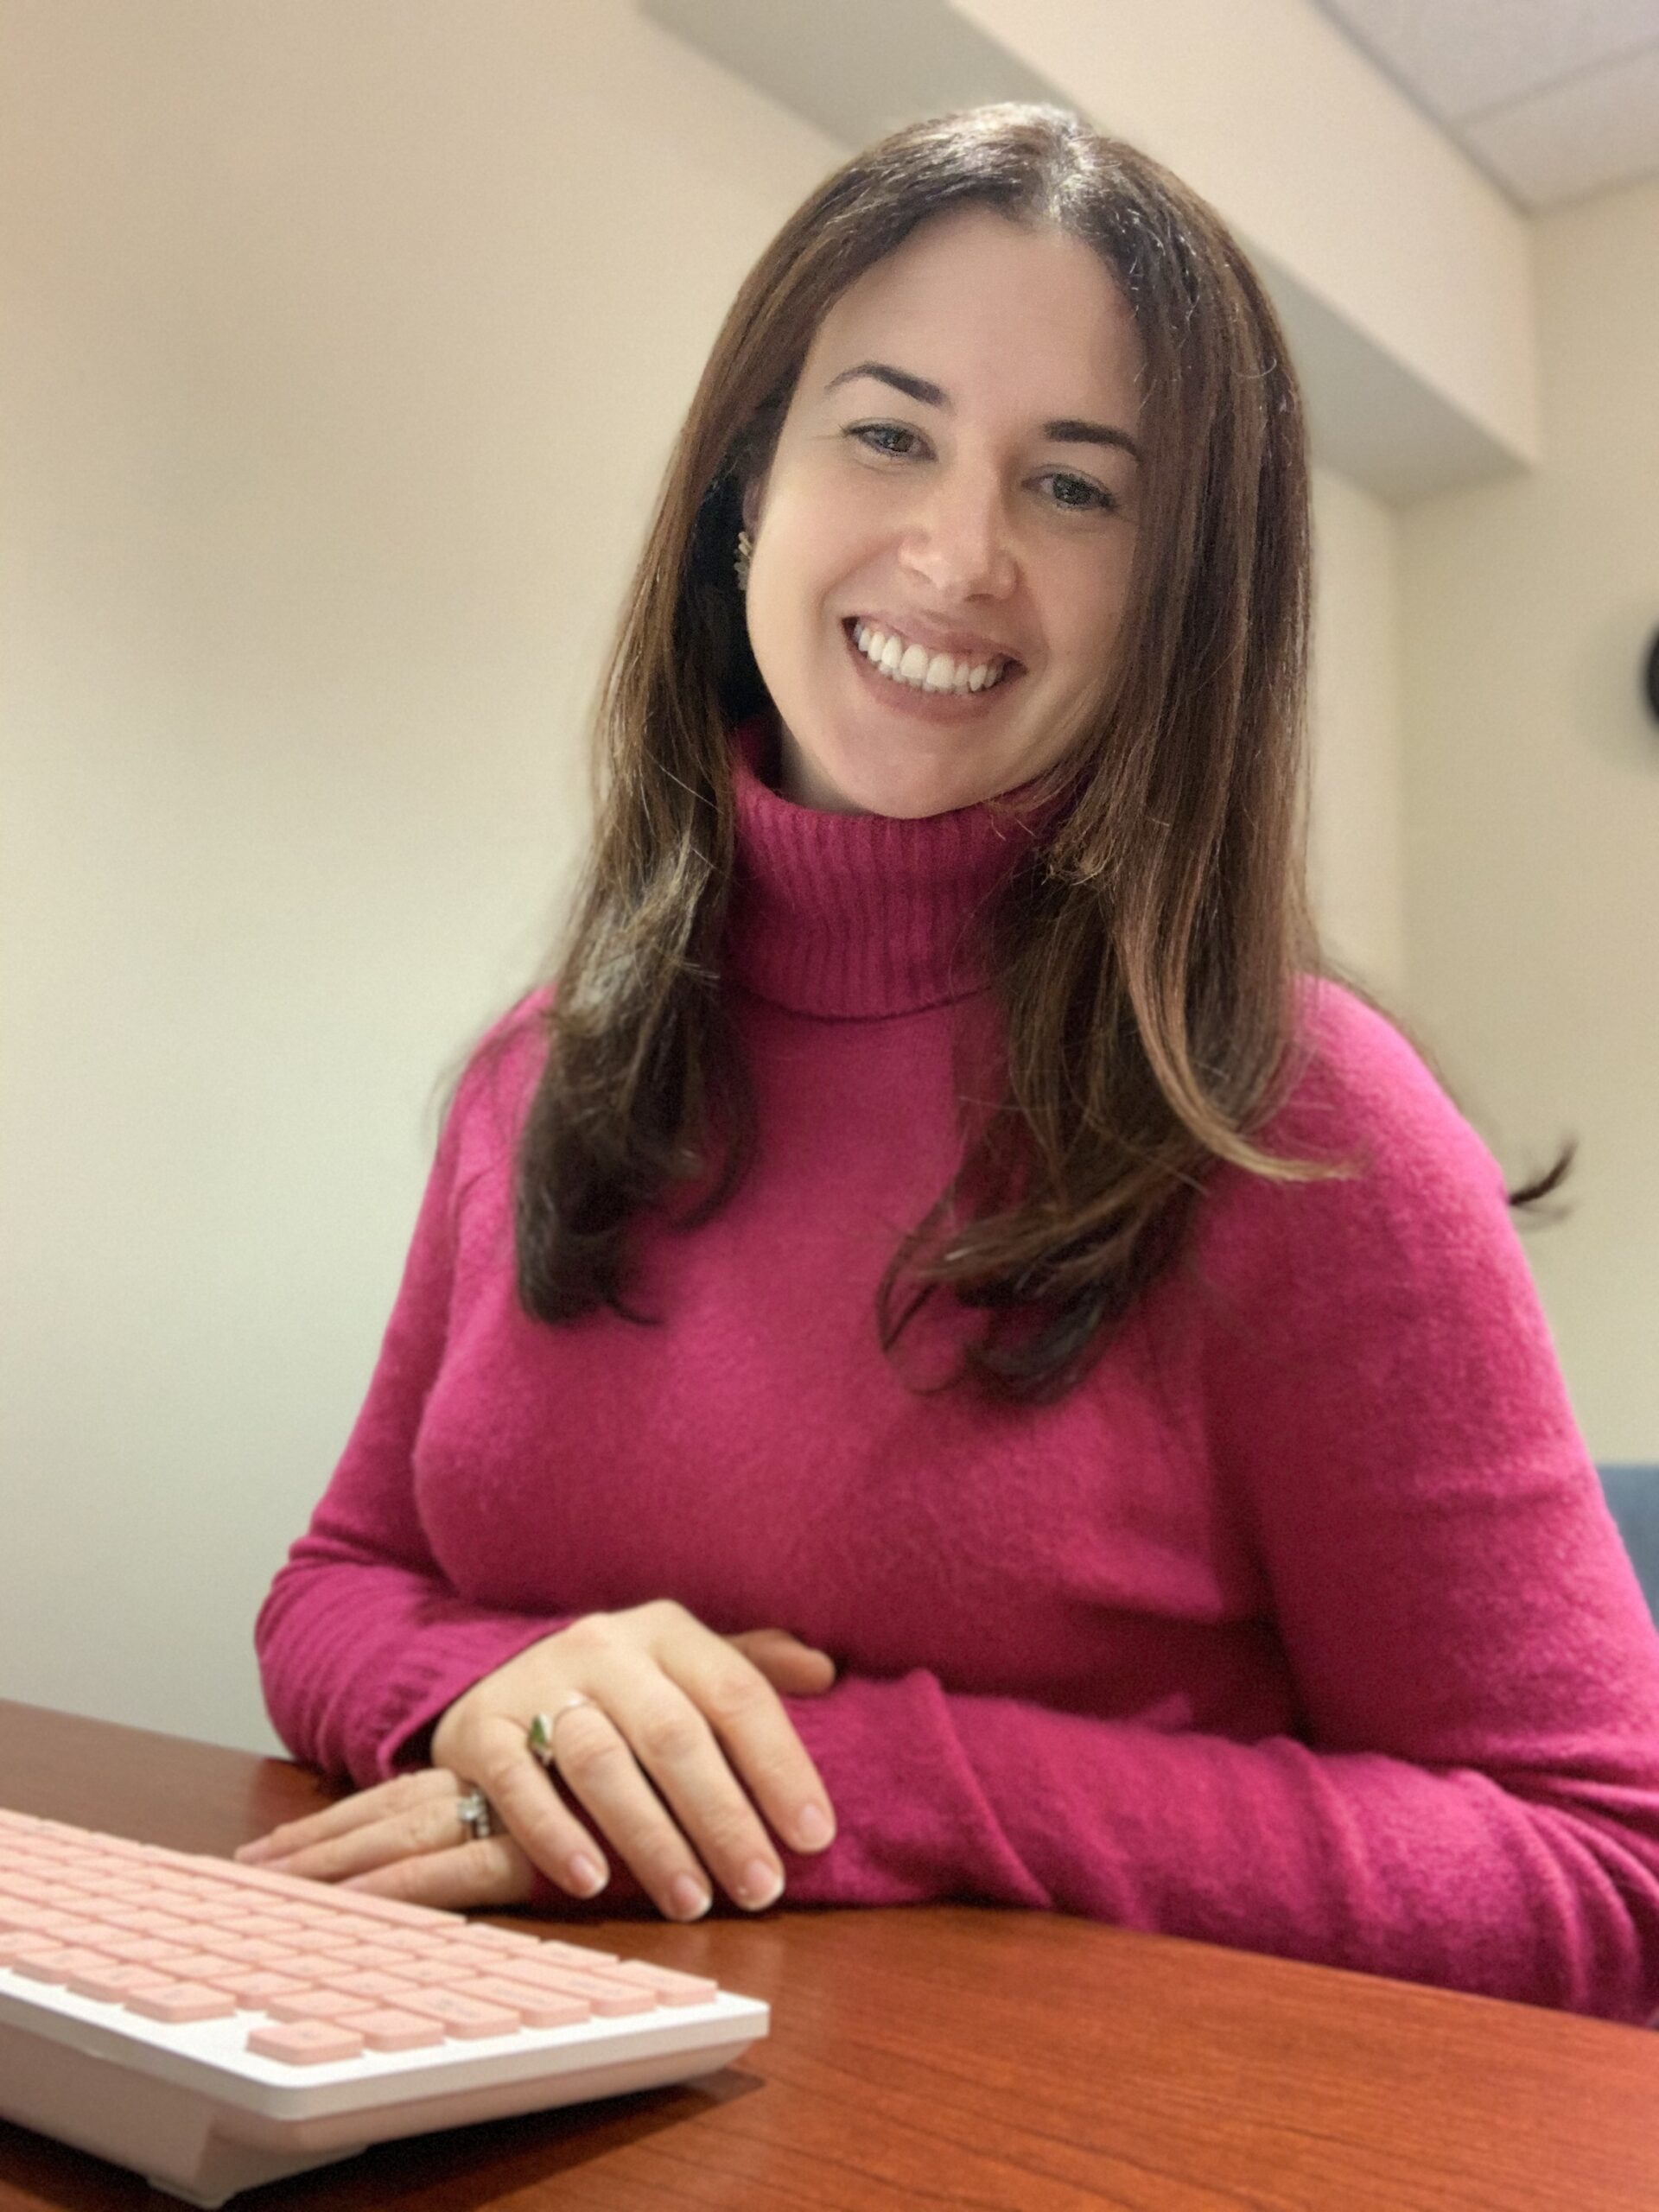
(945, 1353)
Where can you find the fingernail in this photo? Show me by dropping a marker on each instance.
(812, 1828)
(247, 1852)
(587, 1879)
(687, 1897)
(759, 1885)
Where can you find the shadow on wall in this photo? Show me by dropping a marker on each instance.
(1633, 1496)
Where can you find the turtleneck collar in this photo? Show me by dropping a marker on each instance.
(857, 916)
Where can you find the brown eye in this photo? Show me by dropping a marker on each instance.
(869, 434)
(1078, 496)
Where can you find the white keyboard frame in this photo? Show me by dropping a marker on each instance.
(202, 2117)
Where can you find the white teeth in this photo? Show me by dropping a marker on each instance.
(922, 669)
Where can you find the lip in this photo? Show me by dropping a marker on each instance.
(961, 645)
(945, 707)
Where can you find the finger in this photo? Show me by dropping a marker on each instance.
(673, 1740)
(793, 1668)
(758, 1738)
(485, 1870)
(597, 1764)
(387, 1799)
(430, 1823)
(536, 1815)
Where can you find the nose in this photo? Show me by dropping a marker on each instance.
(958, 542)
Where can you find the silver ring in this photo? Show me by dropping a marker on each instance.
(539, 1734)
(477, 1814)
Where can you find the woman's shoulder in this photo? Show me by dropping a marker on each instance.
(487, 1100)
(1360, 1087)
(1421, 1190)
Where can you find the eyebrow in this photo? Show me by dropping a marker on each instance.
(1065, 430)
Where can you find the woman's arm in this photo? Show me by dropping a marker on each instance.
(1473, 1797)
(362, 1643)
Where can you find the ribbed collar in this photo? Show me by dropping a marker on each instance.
(857, 916)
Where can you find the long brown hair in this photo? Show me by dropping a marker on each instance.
(1145, 954)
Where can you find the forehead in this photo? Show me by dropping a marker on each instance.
(982, 305)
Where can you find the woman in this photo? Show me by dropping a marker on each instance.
(951, 1357)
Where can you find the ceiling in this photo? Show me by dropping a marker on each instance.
(1554, 99)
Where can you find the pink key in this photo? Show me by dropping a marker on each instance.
(376, 1957)
(672, 1986)
(466, 2017)
(257, 1986)
(431, 1973)
(172, 1925)
(134, 1916)
(37, 1919)
(410, 1916)
(137, 1950)
(610, 1999)
(30, 1887)
(497, 1939)
(536, 2008)
(256, 1951)
(306, 2042)
(111, 1984)
(315, 2004)
(209, 1966)
(168, 1957)
(395, 2030)
(374, 1987)
(15, 1950)
(57, 1965)
(180, 2000)
(572, 1954)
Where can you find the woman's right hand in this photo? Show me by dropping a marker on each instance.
(647, 1696)
(673, 1740)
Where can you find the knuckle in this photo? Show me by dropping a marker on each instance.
(477, 1871)
(592, 1632)
(589, 1756)
(670, 1738)
(665, 1613)
(737, 1694)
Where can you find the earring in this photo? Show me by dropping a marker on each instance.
(745, 555)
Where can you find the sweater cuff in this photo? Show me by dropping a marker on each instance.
(912, 1821)
(450, 1657)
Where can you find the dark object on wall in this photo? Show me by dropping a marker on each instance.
(1632, 1494)
(1651, 686)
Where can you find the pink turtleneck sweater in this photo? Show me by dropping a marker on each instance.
(1299, 1626)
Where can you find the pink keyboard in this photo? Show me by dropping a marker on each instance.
(215, 2025)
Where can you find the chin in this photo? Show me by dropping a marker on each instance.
(909, 792)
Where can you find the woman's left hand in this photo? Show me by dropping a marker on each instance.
(403, 1838)
(407, 1838)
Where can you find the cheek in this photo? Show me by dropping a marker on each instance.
(1087, 613)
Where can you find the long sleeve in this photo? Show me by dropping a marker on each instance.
(1472, 1797)
(362, 1641)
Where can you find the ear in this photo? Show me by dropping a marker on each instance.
(755, 492)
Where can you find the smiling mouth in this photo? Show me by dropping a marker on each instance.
(913, 667)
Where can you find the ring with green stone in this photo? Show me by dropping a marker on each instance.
(539, 1734)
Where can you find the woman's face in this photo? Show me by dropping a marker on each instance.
(957, 472)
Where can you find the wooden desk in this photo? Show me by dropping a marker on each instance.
(911, 2062)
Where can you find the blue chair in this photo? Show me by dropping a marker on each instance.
(1632, 1494)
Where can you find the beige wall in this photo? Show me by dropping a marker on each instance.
(1532, 779)
(344, 349)
(1354, 836)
